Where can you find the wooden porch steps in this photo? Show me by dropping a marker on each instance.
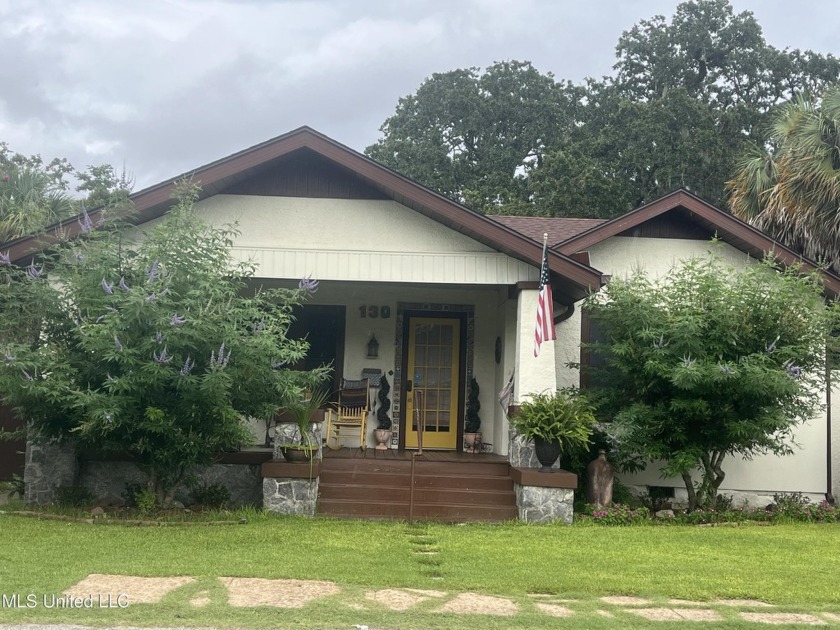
(459, 491)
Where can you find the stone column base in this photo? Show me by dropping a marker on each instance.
(291, 488)
(544, 497)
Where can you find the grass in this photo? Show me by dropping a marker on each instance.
(793, 566)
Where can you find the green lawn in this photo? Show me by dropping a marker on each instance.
(792, 566)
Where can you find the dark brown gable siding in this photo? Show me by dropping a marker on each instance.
(669, 226)
(305, 174)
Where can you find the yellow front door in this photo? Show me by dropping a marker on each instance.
(434, 346)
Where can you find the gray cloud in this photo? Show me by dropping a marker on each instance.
(163, 87)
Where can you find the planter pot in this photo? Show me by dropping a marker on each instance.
(473, 442)
(299, 452)
(383, 438)
(547, 453)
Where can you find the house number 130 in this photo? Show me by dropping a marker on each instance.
(375, 311)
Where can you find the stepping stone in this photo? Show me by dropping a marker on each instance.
(248, 592)
(778, 619)
(831, 616)
(475, 604)
(397, 599)
(622, 600)
(745, 603)
(554, 610)
(137, 590)
(676, 614)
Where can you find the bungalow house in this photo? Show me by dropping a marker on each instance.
(448, 294)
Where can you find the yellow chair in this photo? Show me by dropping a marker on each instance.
(348, 418)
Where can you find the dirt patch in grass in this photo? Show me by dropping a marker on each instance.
(247, 592)
(778, 619)
(676, 614)
(554, 610)
(138, 590)
(475, 604)
(743, 603)
(621, 600)
(401, 599)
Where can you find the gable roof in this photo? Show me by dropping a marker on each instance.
(729, 229)
(559, 229)
(571, 280)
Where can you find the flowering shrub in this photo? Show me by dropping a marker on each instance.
(615, 514)
(155, 348)
(798, 508)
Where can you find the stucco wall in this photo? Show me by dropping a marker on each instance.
(805, 471)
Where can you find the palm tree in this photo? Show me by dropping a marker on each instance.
(790, 188)
(29, 201)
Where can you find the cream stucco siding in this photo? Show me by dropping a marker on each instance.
(357, 240)
(804, 471)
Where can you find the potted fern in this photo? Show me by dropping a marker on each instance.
(472, 436)
(556, 422)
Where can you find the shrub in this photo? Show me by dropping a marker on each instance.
(798, 508)
(616, 514)
(74, 496)
(213, 495)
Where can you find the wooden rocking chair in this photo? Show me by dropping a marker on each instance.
(348, 418)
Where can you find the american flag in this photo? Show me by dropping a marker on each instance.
(544, 330)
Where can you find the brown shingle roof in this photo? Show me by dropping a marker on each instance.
(559, 229)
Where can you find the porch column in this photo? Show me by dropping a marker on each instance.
(538, 374)
(534, 375)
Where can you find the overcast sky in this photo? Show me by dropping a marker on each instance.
(164, 86)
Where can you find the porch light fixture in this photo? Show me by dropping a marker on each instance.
(372, 347)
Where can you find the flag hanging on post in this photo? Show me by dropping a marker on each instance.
(544, 330)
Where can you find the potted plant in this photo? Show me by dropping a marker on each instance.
(472, 436)
(383, 429)
(556, 421)
(303, 411)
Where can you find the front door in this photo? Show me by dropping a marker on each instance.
(433, 382)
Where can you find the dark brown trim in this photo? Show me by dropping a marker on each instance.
(277, 468)
(533, 477)
(729, 228)
(578, 279)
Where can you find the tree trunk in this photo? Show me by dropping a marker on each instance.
(689, 488)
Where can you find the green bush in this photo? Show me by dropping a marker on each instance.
(798, 508)
(213, 495)
(74, 496)
(615, 514)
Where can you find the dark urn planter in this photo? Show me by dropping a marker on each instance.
(547, 452)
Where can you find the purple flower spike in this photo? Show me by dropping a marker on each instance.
(188, 366)
(100, 319)
(9, 358)
(108, 417)
(33, 271)
(85, 222)
(163, 357)
(5, 260)
(150, 298)
(108, 288)
(220, 361)
(110, 309)
(117, 343)
(276, 365)
(122, 285)
(661, 343)
(153, 272)
(794, 371)
(159, 337)
(177, 320)
(26, 375)
(726, 370)
(771, 347)
(110, 378)
(308, 284)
